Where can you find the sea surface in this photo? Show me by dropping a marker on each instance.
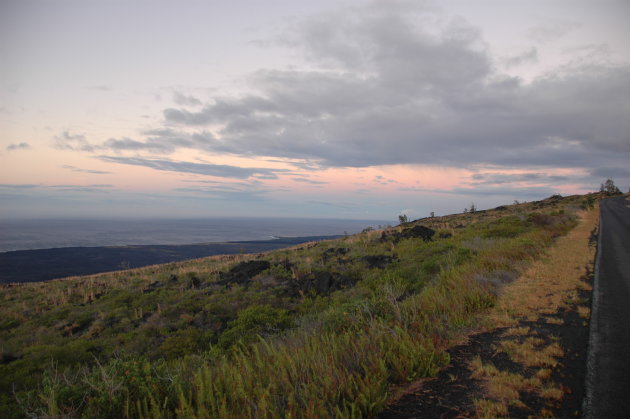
(47, 234)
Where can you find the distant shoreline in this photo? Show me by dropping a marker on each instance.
(21, 266)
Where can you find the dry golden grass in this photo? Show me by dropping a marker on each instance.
(544, 374)
(552, 393)
(549, 283)
(553, 320)
(584, 312)
(533, 352)
(490, 409)
(517, 331)
(545, 287)
(502, 389)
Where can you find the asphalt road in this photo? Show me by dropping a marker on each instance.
(608, 366)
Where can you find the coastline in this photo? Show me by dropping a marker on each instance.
(21, 266)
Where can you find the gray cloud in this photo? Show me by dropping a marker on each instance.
(218, 170)
(507, 178)
(529, 56)
(129, 144)
(20, 146)
(342, 205)
(249, 191)
(98, 188)
(18, 186)
(68, 141)
(388, 92)
(101, 87)
(309, 181)
(163, 141)
(183, 100)
(268, 176)
(612, 172)
(234, 195)
(57, 188)
(552, 30)
(383, 180)
(382, 89)
(530, 192)
(220, 110)
(79, 170)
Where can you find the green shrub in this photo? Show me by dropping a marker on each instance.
(9, 323)
(254, 321)
(279, 271)
(184, 342)
(506, 227)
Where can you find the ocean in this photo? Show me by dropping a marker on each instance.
(48, 234)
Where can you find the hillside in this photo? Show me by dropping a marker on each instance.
(321, 329)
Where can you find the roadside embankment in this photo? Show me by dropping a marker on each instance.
(529, 356)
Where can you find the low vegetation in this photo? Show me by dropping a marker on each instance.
(528, 320)
(318, 330)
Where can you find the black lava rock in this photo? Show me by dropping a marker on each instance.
(243, 272)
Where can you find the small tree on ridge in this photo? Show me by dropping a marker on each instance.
(609, 188)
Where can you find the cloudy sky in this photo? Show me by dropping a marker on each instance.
(344, 109)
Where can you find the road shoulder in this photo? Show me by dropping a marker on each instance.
(530, 356)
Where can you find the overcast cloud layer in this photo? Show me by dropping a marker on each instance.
(380, 90)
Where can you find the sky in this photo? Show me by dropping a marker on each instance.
(327, 109)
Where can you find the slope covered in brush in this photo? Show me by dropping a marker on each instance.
(320, 329)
